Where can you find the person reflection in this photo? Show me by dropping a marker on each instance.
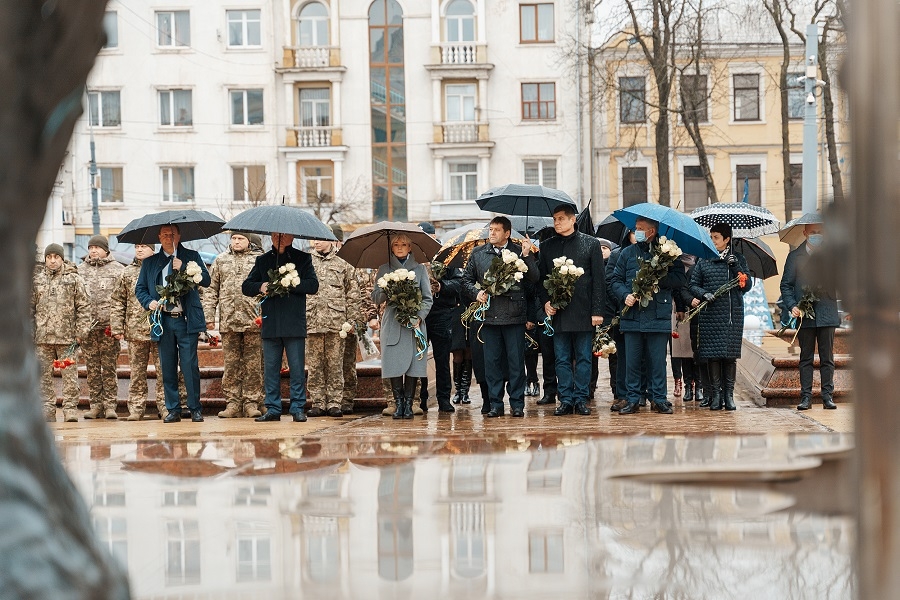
(395, 539)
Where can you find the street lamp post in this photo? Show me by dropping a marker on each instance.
(810, 161)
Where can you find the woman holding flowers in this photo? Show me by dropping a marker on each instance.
(722, 283)
(403, 323)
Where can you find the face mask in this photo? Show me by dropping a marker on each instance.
(816, 239)
(640, 236)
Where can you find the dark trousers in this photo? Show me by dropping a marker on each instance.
(683, 368)
(647, 350)
(621, 390)
(809, 338)
(273, 350)
(573, 365)
(548, 361)
(438, 327)
(504, 346)
(613, 371)
(531, 360)
(178, 347)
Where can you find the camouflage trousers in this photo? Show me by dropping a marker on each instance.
(349, 392)
(100, 353)
(46, 354)
(139, 355)
(242, 379)
(325, 383)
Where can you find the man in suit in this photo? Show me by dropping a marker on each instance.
(181, 323)
(818, 330)
(503, 329)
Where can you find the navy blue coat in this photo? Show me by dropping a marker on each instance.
(589, 299)
(283, 316)
(792, 282)
(149, 278)
(720, 326)
(657, 316)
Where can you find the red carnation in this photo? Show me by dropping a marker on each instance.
(107, 332)
(258, 321)
(57, 364)
(285, 371)
(675, 335)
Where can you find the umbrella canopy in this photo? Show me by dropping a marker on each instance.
(746, 220)
(584, 222)
(675, 225)
(280, 218)
(611, 228)
(520, 199)
(760, 258)
(530, 225)
(192, 224)
(792, 232)
(370, 247)
(459, 243)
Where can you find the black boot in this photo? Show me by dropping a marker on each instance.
(715, 384)
(688, 391)
(704, 397)
(729, 375)
(399, 399)
(445, 406)
(465, 381)
(485, 399)
(457, 382)
(423, 393)
(409, 391)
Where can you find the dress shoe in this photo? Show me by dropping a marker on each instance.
(269, 416)
(805, 404)
(334, 411)
(547, 399)
(563, 409)
(662, 408)
(315, 411)
(494, 413)
(582, 409)
(196, 416)
(299, 416)
(828, 404)
(630, 409)
(618, 405)
(173, 417)
(517, 412)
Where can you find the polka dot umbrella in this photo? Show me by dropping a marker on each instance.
(746, 220)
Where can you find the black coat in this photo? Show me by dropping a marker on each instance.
(612, 306)
(721, 324)
(283, 316)
(792, 283)
(446, 300)
(150, 276)
(511, 307)
(590, 289)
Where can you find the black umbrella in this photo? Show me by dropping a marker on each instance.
(520, 199)
(192, 225)
(760, 258)
(612, 229)
(370, 246)
(583, 222)
(530, 225)
(280, 218)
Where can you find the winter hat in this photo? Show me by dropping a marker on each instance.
(56, 249)
(100, 241)
(254, 239)
(338, 232)
(427, 227)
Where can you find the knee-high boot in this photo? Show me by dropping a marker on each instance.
(409, 390)
(729, 374)
(465, 381)
(457, 382)
(399, 399)
(715, 384)
(704, 395)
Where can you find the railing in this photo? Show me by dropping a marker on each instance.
(316, 136)
(310, 57)
(460, 132)
(461, 53)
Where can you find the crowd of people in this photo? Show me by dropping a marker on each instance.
(314, 323)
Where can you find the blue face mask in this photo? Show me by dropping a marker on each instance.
(640, 236)
(816, 239)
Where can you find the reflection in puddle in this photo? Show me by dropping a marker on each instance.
(524, 518)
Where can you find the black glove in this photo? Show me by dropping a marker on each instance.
(731, 260)
(708, 297)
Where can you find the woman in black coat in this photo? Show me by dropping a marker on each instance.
(721, 324)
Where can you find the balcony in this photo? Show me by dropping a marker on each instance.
(461, 132)
(459, 59)
(311, 57)
(462, 53)
(317, 136)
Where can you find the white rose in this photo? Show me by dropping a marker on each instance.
(382, 282)
(286, 281)
(290, 267)
(295, 281)
(411, 276)
(509, 257)
(346, 327)
(197, 278)
(569, 261)
(282, 269)
(579, 271)
(558, 262)
(521, 266)
(563, 270)
(663, 239)
(518, 276)
(342, 333)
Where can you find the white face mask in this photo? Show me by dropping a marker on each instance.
(816, 239)
(640, 236)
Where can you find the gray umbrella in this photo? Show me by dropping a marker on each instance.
(521, 199)
(280, 218)
(192, 225)
(792, 232)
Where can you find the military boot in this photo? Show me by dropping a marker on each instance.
(96, 412)
(251, 409)
(232, 411)
(390, 408)
(135, 416)
(110, 411)
(69, 416)
(50, 415)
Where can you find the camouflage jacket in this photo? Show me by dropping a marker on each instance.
(126, 315)
(60, 306)
(228, 272)
(365, 278)
(337, 301)
(100, 277)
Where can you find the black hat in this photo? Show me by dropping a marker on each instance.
(56, 249)
(427, 227)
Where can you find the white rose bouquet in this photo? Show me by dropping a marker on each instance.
(504, 274)
(603, 345)
(282, 280)
(179, 283)
(560, 285)
(403, 293)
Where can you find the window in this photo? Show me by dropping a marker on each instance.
(463, 181)
(246, 107)
(694, 96)
(182, 552)
(316, 183)
(795, 202)
(540, 172)
(545, 552)
(314, 25)
(180, 498)
(111, 29)
(538, 101)
(796, 96)
(634, 185)
(253, 495)
(177, 184)
(175, 108)
(105, 109)
(748, 180)
(244, 28)
(460, 21)
(695, 194)
(106, 497)
(545, 471)
(315, 107)
(746, 97)
(249, 183)
(173, 28)
(460, 102)
(631, 99)
(113, 533)
(254, 553)
(110, 184)
(535, 23)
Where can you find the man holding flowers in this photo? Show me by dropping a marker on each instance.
(573, 295)
(495, 276)
(646, 319)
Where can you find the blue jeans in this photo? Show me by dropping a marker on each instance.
(177, 346)
(505, 343)
(646, 352)
(273, 350)
(573, 347)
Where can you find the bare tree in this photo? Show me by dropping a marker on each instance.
(48, 548)
(353, 205)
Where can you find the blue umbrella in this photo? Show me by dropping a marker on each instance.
(525, 200)
(675, 225)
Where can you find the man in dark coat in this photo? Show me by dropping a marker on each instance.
(439, 324)
(647, 329)
(818, 330)
(181, 323)
(283, 324)
(503, 329)
(574, 325)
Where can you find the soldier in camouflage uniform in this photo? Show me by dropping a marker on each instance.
(101, 351)
(336, 303)
(61, 311)
(242, 381)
